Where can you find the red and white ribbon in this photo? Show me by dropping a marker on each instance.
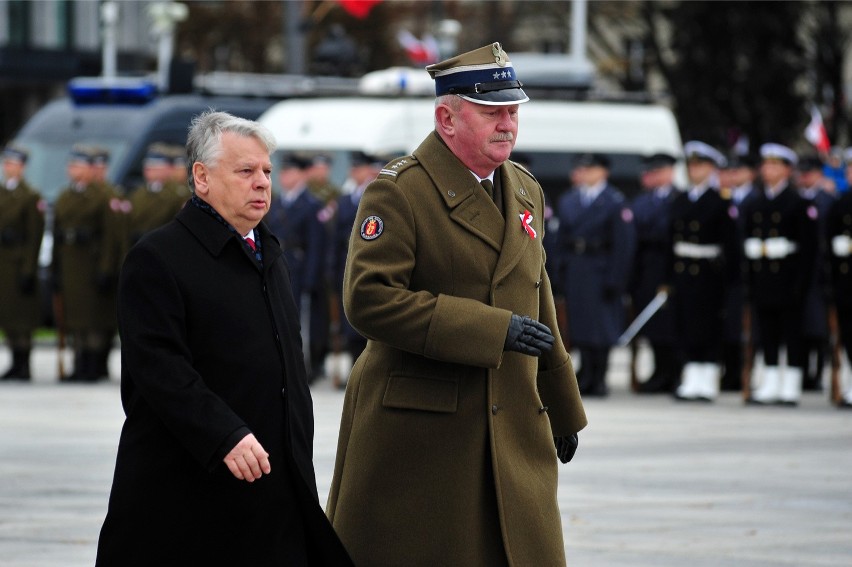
(526, 219)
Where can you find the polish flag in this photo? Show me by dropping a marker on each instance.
(358, 8)
(420, 52)
(815, 132)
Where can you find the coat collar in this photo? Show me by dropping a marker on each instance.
(463, 197)
(214, 236)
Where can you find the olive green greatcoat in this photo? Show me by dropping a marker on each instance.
(152, 209)
(446, 454)
(86, 244)
(21, 230)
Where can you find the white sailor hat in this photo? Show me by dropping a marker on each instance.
(483, 76)
(778, 152)
(695, 150)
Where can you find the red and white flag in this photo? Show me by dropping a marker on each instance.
(420, 51)
(815, 132)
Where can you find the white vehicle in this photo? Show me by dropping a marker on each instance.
(551, 133)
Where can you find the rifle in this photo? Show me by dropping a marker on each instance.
(836, 395)
(59, 321)
(748, 352)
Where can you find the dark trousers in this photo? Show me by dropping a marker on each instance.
(781, 326)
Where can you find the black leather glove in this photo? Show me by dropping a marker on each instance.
(528, 336)
(26, 284)
(566, 447)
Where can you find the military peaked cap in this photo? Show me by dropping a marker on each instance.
(700, 151)
(483, 76)
(778, 152)
(16, 153)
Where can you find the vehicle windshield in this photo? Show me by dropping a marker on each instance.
(47, 160)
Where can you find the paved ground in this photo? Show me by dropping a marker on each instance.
(654, 483)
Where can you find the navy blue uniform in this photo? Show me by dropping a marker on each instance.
(595, 245)
(839, 248)
(303, 238)
(652, 218)
(347, 208)
(781, 248)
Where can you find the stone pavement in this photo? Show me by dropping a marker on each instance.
(654, 483)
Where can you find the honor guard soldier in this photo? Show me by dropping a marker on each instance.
(294, 217)
(21, 229)
(652, 217)
(780, 247)
(86, 239)
(595, 245)
(179, 174)
(157, 201)
(839, 239)
(363, 169)
(736, 181)
(814, 187)
(704, 262)
(319, 179)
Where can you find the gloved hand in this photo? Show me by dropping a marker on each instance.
(566, 447)
(26, 284)
(528, 336)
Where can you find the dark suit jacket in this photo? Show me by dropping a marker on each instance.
(210, 352)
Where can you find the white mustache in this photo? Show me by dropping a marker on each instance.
(506, 137)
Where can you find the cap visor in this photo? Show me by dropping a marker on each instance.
(498, 98)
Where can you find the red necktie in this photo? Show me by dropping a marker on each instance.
(251, 243)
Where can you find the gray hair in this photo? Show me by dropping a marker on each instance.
(451, 100)
(204, 142)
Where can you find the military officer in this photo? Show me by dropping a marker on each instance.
(780, 229)
(450, 414)
(839, 240)
(294, 217)
(319, 178)
(86, 243)
(179, 175)
(704, 262)
(21, 229)
(157, 201)
(814, 187)
(363, 169)
(652, 214)
(595, 245)
(737, 183)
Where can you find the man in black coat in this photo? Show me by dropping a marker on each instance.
(214, 463)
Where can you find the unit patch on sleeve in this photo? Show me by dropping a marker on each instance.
(372, 227)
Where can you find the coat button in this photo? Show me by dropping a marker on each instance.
(542, 409)
(451, 193)
(494, 409)
(538, 284)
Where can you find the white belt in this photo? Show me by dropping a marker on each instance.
(841, 245)
(700, 251)
(772, 248)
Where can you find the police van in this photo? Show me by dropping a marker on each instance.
(552, 132)
(122, 115)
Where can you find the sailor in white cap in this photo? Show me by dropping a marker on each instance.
(705, 261)
(780, 247)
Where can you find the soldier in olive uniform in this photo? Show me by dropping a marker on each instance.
(157, 202)
(780, 229)
(87, 243)
(704, 264)
(319, 181)
(21, 230)
(462, 403)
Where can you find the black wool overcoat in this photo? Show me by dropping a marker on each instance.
(210, 352)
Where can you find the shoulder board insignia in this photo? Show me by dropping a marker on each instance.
(522, 168)
(397, 166)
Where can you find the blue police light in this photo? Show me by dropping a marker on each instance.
(112, 90)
